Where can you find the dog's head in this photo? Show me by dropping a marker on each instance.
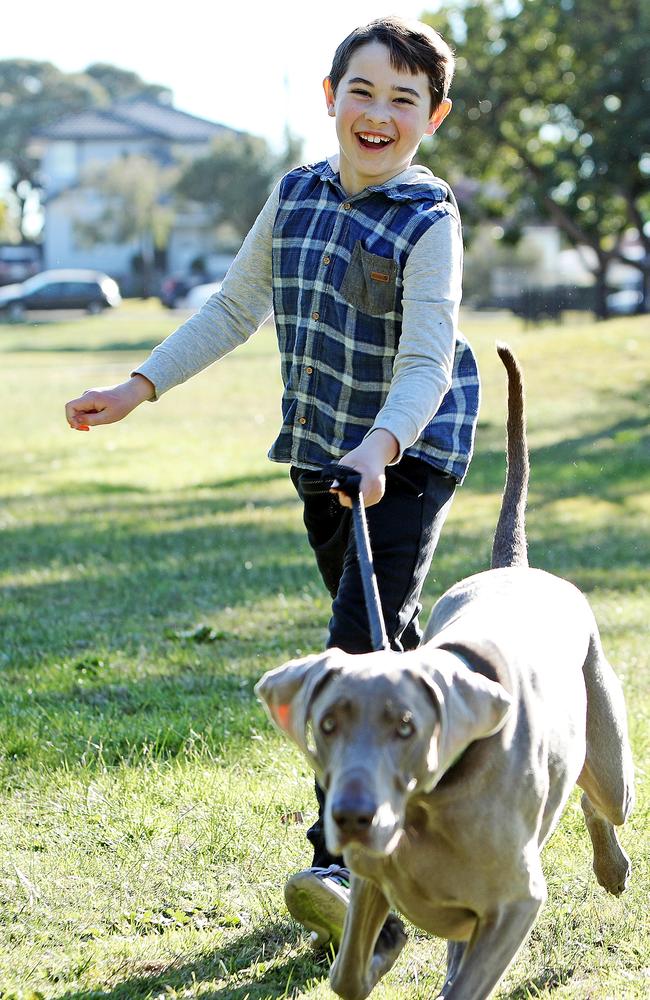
(377, 729)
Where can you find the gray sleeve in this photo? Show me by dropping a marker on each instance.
(423, 365)
(228, 318)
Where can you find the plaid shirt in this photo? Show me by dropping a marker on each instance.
(338, 346)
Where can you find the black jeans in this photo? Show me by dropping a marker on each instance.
(404, 528)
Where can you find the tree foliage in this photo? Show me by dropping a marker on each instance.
(236, 177)
(121, 84)
(34, 94)
(550, 113)
(136, 207)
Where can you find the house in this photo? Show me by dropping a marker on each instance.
(76, 145)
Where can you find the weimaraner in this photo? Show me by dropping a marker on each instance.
(446, 768)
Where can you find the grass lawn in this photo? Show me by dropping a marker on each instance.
(148, 814)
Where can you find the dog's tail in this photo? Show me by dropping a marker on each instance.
(509, 546)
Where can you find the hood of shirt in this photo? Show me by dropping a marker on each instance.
(414, 183)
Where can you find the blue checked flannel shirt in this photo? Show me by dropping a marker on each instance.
(337, 348)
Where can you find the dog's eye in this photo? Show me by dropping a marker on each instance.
(328, 724)
(405, 727)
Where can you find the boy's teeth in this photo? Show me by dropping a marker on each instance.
(372, 138)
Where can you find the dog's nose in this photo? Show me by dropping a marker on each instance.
(353, 814)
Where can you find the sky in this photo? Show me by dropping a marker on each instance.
(255, 66)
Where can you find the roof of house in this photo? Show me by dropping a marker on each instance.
(137, 118)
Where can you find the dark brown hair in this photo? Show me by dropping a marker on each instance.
(412, 47)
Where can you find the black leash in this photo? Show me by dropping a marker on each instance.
(349, 482)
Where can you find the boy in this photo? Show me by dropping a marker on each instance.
(359, 257)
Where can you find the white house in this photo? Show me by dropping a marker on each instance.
(90, 139)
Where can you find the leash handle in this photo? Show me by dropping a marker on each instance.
(349, 482)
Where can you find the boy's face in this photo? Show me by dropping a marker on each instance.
(381, 115)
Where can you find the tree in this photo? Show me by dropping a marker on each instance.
(236, 177)
(121, 84)
(550, 111)
(136, 207)
(34, 94)
(9, 232)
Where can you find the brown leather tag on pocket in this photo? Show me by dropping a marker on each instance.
(378, 276)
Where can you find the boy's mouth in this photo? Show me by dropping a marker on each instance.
(374, 142)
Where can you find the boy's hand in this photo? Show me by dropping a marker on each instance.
(370, 459)
(108, 405)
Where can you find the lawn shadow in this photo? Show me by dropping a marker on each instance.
(98, 583)
(278, 978)
(238, 960)
(118, 574)
(549, 979)
(610, 464)
(86, 346)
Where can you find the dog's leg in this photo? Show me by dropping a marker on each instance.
(607, 776)
(495, 942)
(611, 863)
(370, 943)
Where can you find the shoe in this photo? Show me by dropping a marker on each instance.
(318, 899)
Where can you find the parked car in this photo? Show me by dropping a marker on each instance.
(178, 291)
(198, 295)
(18, 261)
(175, 287)
(624, 302)
(68, 289)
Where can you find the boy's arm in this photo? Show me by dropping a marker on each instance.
(424, 361)
(225, 321)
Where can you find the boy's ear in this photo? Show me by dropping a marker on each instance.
(329, 96)
(438, 116)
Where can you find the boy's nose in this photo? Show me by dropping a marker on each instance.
(378, 114)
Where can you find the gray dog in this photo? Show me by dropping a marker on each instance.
(447, 768)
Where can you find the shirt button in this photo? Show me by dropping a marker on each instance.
(315, 315)
(347, 206)
(303, 420)
(309, 370)
(326, 260)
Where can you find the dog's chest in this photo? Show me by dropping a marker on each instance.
(433, 883)
(430, 889)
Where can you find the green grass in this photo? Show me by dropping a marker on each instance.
(148, 814)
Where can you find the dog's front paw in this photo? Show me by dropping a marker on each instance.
(348, 984)
(613, 872)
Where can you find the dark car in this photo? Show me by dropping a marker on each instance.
(18, 262)
(175, 287)
(69, 289)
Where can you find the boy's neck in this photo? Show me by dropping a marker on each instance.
(352, 187)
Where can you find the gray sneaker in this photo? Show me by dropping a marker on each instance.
(318, 899)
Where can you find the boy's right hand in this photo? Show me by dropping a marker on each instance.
(108, 405)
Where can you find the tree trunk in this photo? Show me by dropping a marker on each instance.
(147, 254)
(600, 306)
(644, 304)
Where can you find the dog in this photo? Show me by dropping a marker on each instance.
(447, 768)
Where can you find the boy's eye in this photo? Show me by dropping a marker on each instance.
(364, 93)
(404, 100)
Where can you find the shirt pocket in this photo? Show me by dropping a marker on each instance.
(370, 282)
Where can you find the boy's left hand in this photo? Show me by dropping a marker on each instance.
(370, 459)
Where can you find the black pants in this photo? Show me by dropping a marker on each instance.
(404, 528)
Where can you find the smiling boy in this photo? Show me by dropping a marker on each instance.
(359, 257)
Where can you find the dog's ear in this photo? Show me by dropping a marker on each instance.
(288, 692)
(470, 705)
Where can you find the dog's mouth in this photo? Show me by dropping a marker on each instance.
(375, 846)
